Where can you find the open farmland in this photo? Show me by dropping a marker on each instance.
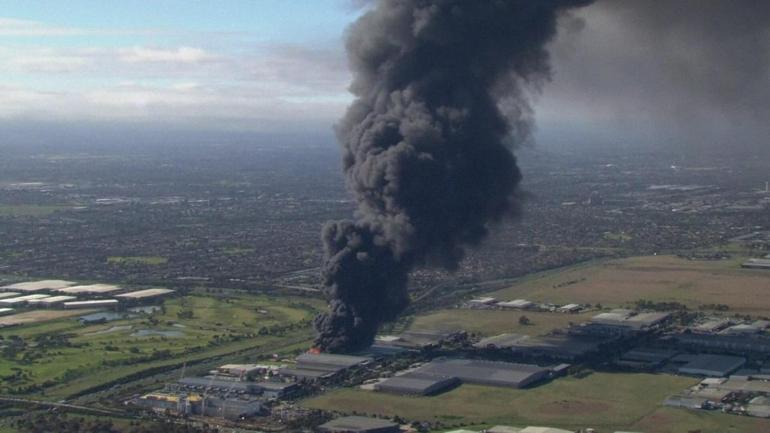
(62, 357)
(492, 322)
(654, 278)
(600, 400)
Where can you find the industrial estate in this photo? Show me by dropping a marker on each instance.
(629, 297)
(717, 359)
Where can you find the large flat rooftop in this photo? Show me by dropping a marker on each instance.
(713, 365)
(483, 372)
(35, 286)
(22, 299)
(144, 294)
(90, 289)
(410, 385)
(329, 361)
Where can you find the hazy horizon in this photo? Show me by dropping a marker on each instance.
(625, 74)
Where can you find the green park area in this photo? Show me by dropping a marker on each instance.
(62, 357)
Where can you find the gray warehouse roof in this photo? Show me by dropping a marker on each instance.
(713, 365)
(500, 341)
(34, 286)
(358, 424)
(412, 385)
(483, 372)
(328, 361)
(300, 373)
(204, 383)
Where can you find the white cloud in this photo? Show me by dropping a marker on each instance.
(46, 61)
(19, 27)
(156, 55)
(177, 102)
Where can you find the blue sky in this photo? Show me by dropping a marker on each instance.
(279, 65)
(258, 64)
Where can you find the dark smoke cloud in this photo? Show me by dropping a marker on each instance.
(441, 96)
(694, 73)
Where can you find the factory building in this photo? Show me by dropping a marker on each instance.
(756, 264)
(646, 358)
(144, 295)
(623, 322)
(222, 386)
(482, 302)
(195, 404)
(52, 301)
(231, 408)
(315, 366)
(168, 402)
(712, 326)
(502, 341)
(218, 385)
(246, 370)
(710, 365)
(518, 304)
(90, 289)
(544, 430)
(37, 286)
(421, 339)
(570, 308)
(21, 300)
(503, 429)
(97, 303)
(557, 347)
(728, 344)
(483, 372)
(277, 390)
(410, 385)
(359, 424)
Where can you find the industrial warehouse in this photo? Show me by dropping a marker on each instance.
(60, 294)
(313, 366)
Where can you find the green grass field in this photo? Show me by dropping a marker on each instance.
(195, 327)
(570, 402)
(602, 400)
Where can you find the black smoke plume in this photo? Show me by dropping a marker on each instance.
(440, 89)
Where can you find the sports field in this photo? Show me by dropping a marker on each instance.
(61, 357)
(603, 401)
(654, 278)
